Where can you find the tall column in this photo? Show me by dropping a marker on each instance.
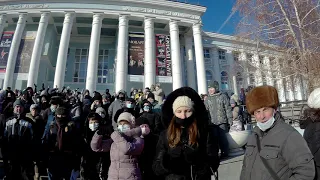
(92, 69)
(3, 18)
(235, 86)
(150, 55)
(298, 87)
(37, 50)
(122, 54)
(63, 50)
(201, 73)
(175, 55)
(12, 57)
(257, 74)
(269, 75)
(280, 83)
(190, 63)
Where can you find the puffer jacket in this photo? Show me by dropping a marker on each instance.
(124, 151)
(284, 149)
(219, 109)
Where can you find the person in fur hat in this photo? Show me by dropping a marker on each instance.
(125, 145)
(310, 122)
(187, 149)
(275, 150)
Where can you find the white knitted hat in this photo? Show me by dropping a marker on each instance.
(182, 101)
(314, 99)
(125, 116)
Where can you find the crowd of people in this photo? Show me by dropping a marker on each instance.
(144, 134)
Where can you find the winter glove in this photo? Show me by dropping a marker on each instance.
(145, 130)
(105, 130)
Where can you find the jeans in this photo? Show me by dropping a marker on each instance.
(223, 141)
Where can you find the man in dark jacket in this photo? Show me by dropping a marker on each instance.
(63, 143)
(275, 150)
(219, 108)
(18, 144)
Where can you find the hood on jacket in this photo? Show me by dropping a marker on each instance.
(200, 110)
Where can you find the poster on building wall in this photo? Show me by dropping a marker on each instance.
(5, 45)
(136, 54)
(163, 55)
(25, 52)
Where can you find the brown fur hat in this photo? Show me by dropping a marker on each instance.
(262, 96)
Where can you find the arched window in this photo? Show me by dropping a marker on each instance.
(209, 76)
(224, 80)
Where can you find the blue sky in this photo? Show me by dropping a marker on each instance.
(217, 12)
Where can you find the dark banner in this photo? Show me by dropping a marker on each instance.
(5, 45)
(136, 54)
(163, 55)
(25, 52)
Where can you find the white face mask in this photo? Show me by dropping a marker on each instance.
(93, 126)
(266, 125)
(123, 128)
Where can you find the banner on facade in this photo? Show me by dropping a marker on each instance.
(25, 52)
(5, 45)
(136, 54)
(163, 55)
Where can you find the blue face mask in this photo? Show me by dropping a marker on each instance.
(130, 106)
(123, 128)
(146, 108)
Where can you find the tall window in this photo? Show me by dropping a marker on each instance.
(222, 54)
(239, 79)
(80, 67)
(252, 79)
(224, 80)
(250, 58)
(209, 76)
(236, 56)
(103, 66)
(206, 53)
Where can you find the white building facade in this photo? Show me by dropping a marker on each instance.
(121, 44)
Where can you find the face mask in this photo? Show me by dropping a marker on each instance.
(105, 103)
(102, 115)
(184, 122)
(146, 108)
(93, 126)
(122, 98)
(61, 121)
(267, 125)
(53, 108)
(130, 106)
(123, 128)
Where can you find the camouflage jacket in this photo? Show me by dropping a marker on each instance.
(219, 109)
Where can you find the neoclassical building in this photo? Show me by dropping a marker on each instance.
(120, 44)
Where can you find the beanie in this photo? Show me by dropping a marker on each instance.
(100, 110)
(232, 101)
(182, 101)
(62, 111)
(314, 99)
(214, 85)
(262, 96)
(125, 116)
(18, 102)
(97, 96)
(150, 95)
(34, 106)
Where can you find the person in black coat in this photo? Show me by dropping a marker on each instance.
(310, 122)
(186, 150)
